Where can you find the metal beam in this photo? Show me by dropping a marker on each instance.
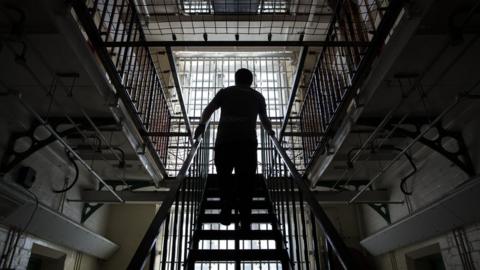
(159, 17)
(343, 197)
(178, 87)
(293, 93)
(233, 43)
(455, 210)
(18, 206)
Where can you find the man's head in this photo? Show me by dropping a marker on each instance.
(243, 77)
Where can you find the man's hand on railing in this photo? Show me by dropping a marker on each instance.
(270, 132)
(199, 131)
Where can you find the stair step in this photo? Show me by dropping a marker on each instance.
(233, 255)
(218, 204)
(240, 235)
(257, 218)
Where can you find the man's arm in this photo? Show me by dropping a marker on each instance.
(264, 118)
(207, 112)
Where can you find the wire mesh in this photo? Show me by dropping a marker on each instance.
(188, 20)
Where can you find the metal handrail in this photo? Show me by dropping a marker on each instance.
(331, 234)
(151, 235)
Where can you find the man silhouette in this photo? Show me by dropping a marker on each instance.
(236, 144)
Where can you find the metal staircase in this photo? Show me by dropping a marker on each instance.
(233, 245)
(287, 213)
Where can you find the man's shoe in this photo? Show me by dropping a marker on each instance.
(245, 226)
(226, 217)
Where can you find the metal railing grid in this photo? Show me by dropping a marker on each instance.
(168, 238)
(339, 70)
(130, 69)
(292, 212)
(170, 20)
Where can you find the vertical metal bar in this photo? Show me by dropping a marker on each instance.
(139, 59)
(145, 91)
(328, 255)
(316, 250)
(94, 8)
(293, 92)
(181, 226)
(150, 102)
(112, 15)
(288, 222)
(304, 230)
(102, 17)
(117, 30)
(295, 223)
(127, 49)
(153, 255)
(173, 70)
(132, 67)
(118, 23)
(165, 242)
(174, 232)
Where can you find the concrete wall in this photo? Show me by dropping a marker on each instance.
(399, 259)
(127, 226)
(24, 250)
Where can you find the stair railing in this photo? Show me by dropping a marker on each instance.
(175, 219)
(334, 240)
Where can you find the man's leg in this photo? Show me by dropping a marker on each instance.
(224, 165)
(245, 168)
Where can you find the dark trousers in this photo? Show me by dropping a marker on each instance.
(236, 190)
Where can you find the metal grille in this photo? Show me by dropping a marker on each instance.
(333, 74)
(132, 67)
(176, 232)
(202, 77)
(189, 20)
(296, 221)
(197, 6)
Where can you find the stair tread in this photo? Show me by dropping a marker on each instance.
(242, 255)
(243, 235)
(256, 218)
(218, 204)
